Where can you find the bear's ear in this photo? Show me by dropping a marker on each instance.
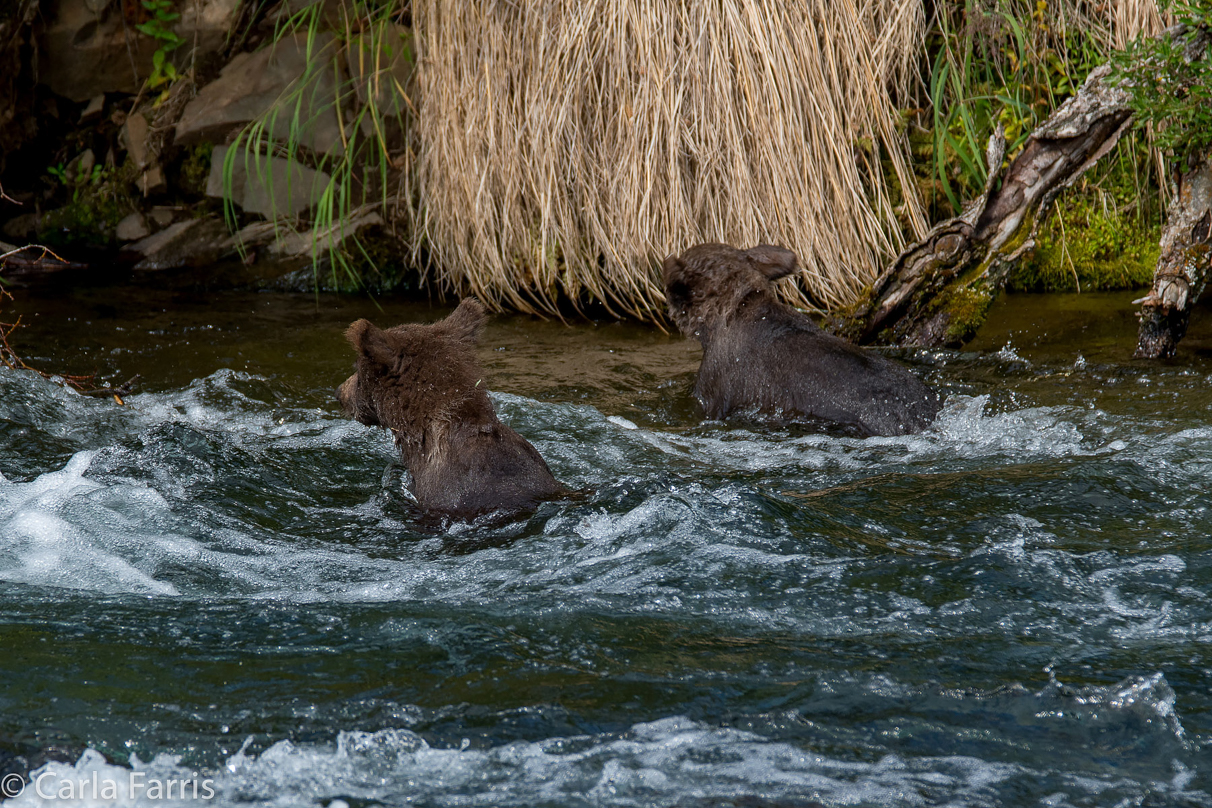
(671, 265)
(677, 297)
(370, 342)
(773, 262)
(466, 322)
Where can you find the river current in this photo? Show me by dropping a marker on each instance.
(222, 581)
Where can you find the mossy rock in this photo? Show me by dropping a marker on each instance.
(94, 208)
(89, 219)
(967, 309)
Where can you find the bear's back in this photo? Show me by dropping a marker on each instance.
(422, 382)
(773, 359)
(481, 467)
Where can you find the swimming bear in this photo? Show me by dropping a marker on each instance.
(423, 383)
(759, 354)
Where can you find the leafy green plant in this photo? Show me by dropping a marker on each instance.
(369, 108)
(58, 172)
(194, 168)
(159, 27)
(1007, 67)
(76, 180)
(1169, 81)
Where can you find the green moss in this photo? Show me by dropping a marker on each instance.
(966, 308)
(195, 169)
(95, 205)
(90, 218)
(1100, 237)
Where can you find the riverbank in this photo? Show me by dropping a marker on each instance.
(348, 143)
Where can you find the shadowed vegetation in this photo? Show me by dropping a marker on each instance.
(363, 46)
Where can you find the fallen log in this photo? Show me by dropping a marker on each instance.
(1182, 268)
(117, 393)
(938, 290)
(1186, 244)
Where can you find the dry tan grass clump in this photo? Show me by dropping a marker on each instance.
(566, 146)
(1130, 18)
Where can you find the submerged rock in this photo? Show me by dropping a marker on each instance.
(194, 242)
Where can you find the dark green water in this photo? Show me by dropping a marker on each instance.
(222, 580)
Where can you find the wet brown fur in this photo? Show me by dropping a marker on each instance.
(759, 354)
(423, 383)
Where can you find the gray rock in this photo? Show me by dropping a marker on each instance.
(274, 187)
(134, 138)
(162, 216)
(285, 243)
(320, 240)
(193, 242)
(198, 242)
(96, 106)
(253, 84)
(83, 54)
(21, 227)
(210, 21)
(381, 76)
(85, 163)
(132, 228)
(283, 246)
(255, 235)
(84, 50)
(152, 181)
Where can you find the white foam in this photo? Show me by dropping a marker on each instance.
(661, 536)
(50, 528)
(667, 761)
(962, 430)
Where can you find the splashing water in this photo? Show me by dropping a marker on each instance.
(222, 583)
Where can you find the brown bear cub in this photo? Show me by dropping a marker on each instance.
(759, 354)
(423, 383)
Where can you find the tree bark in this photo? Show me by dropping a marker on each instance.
(1182, 268)
(937, 291)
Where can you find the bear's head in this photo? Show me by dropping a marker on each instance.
(706, 284)
(414, 373)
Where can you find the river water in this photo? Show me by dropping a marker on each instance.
(221, 582)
